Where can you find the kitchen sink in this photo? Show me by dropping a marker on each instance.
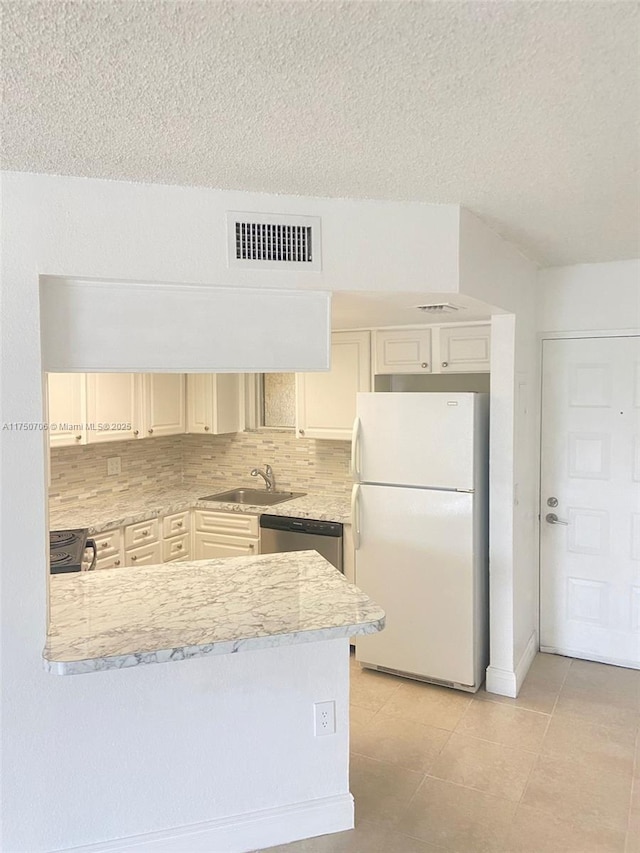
(258, 497)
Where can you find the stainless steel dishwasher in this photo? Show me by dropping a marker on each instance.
(284, 533)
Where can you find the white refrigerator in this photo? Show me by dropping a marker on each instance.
(420, 526)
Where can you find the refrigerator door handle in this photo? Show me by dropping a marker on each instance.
(355, 515)
(355, 449)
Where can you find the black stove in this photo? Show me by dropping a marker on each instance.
(67, 549)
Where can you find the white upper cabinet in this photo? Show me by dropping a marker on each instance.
(113, 406)
(402, 350)
(213, 403)
(66, 406)
(326, 402)
(465, 349)
(163, 396)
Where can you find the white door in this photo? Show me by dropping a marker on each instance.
(415, 559)
(590, 466)
(416, 439)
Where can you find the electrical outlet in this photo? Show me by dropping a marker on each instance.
(113, 465)
(325, 718)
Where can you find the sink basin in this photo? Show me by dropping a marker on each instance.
(258, 497)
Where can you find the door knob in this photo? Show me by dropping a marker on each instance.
(552, 518)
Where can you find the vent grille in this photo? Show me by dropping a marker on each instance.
(438, 308)
(256, 241)
(273, 241)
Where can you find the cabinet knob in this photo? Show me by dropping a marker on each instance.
(133, 558)
(78, 438)
(251, 547)
(179, 547)
(103, 544)
(150, 432)
(145, 532)
(424, 364)
(206, 429)
(116, 562)
(136, 432)
(178, 524)
(301, 431)
(445, 364)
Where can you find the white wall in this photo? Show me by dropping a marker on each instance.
(588, 297)
(495, 272)
(92, 757)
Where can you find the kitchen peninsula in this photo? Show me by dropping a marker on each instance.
(155, 614)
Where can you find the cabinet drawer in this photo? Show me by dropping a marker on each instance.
(232, 524)
(138, 534)
(209, 546)
(176, 548)
(108, 543)
(176, 524)
(147, 555)
(112, 562)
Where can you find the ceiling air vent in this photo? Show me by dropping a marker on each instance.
(438, 308)
(273, 241)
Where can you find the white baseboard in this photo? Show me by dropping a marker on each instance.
(241, 833)
(507, 682)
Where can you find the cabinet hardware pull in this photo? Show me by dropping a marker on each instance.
(136, 432)
(134, 558)
(424, 364)
(445, 364)
(103, 544)
(78, 437)
(145, 532)
(301, 431)
(116, 562)
(206, 429)
(178, 524)
(179, 547)
(150, 432)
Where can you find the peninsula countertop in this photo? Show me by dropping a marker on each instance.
(170, 612)
(130, 506)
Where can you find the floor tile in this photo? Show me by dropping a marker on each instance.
(595, 706)
(372, 689)
(615, 681)
(552, 669)
(533, 831)
(575, 738)
(359, 717)
(504, 724)
(633, 842)
(457, 818)
(591, 790)
(488, 767)
(441, 707)
(365, 838)
(381, 790)
(399, 741)
(535, 695)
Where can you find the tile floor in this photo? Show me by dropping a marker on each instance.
(556, 770)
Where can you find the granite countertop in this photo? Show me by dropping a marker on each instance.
(134, 505)
(155, 614)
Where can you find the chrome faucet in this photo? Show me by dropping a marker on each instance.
(267, 475)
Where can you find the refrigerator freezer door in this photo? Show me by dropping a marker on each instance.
(417, 439)
(416, 561)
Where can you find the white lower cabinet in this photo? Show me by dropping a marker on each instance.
(145, 555)
(176, 536)
(109, 548)
(225, 534)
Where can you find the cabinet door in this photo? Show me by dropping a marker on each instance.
(112, 406)
(147, 555)
(403, 351)
(465, 349)
(213, 403)
(209, 546)
(66, 409)
(164, 403)
(326, 402)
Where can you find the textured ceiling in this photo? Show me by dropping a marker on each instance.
(525, 112)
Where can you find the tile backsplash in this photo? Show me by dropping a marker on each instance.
(80, 473)
(299, 464)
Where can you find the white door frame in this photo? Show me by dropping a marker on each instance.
(549, 336)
